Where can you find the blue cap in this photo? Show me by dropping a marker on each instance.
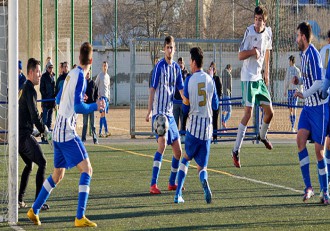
(20, 64)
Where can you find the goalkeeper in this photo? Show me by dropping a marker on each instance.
(29, 149)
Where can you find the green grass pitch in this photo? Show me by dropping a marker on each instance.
(265, 194)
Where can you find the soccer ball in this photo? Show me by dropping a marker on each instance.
(161, 124)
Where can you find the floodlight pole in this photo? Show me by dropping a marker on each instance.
(13, 111)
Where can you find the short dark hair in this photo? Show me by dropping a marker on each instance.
(32, 64)
(228, 66)
(261, 10)
(180, 59)
(306, 29)
(196, 55)
(86, 51)
(168, 40)
(214, 67)
(292, 59)
(106, 62)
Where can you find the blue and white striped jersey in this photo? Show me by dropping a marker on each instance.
(165, 78)
(200, 93)
(71, 102)
(311, 70)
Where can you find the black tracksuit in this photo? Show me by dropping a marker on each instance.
(29, 149)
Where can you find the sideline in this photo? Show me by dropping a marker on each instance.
(212, 170)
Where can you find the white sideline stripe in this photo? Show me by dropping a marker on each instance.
(212, 170)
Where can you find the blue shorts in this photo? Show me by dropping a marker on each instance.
(315, 119)
(106, 106)
(226, 100)
(197, 149)
(173, 133)
(69, 154)
(292, 101)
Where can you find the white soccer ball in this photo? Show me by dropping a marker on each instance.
(161, 124)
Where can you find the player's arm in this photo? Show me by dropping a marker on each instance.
(152, 89)
(326, 83)
(215, 100)
(79, 105)
(266, 73)
(185, 98)
(31, 100)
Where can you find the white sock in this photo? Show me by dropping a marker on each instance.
(240, 136)
(263, 130)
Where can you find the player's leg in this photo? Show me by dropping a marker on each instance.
(183, 170)
(248, 100)
(202, 157)
(101, 123)
(322, 172)
(302, 136)
(92, 126)
(47, 187)
(327, 153)
(25, 174)
(174, 140)
(157, 163)
(107, 133)
(86, 172)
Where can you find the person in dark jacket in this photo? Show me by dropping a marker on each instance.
(218, 85)
(91, 95)
(47, 90)
(177, 103)
(61, 78)
(29, 149)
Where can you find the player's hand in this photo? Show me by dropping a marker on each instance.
(100, 104)
(295, 80)
(324, 94)
(85, 98)
(36, 132)
(257, 52)
(148, 117)
(298, 94)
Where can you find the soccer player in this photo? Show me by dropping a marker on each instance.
(255, 51)
(200, 97)
(102, 83)
(314, 116)
(289, 89)
(165, 79)
(69, 151)
(29, 149)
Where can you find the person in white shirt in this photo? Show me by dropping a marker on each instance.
(255, 51)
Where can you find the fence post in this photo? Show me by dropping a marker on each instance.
(132, 88)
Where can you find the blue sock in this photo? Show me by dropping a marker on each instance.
(304, 166)
(174, 170)
(156, 168)
(223, 118)
(293, 120)
(323, 174)
(202, 175)
(105, 124)
(183, 169)
(228, 115)
(84, 182)
(43, 195)
(327, 159)
(101, 124)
